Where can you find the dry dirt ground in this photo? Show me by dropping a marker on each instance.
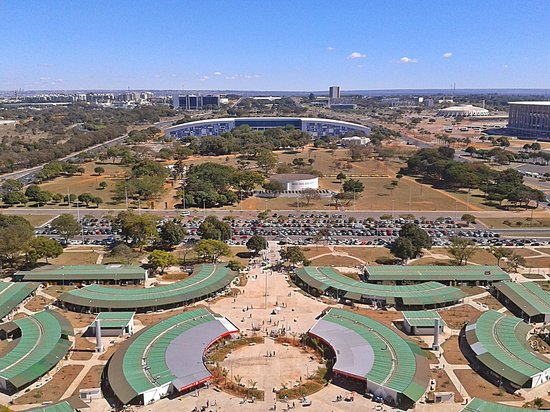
(476, 386)
(56, 290)
(456, 317)
(83, 349)
(336, 261)
(78, 320)
(54, 389)
(452, 352)
(91, 380)
(89, 183)
(444, 384)
(37, 303)
(490, 301)
(75, 258)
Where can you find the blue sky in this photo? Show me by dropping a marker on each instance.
(274, 45)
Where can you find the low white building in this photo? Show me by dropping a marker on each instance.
(465, 110)
(295, 181)
(355, 141)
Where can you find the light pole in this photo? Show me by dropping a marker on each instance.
(204, 208)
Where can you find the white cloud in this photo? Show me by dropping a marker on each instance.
(157, 76)
(330, 48)
(217, 73)
(203, 78)
(243, 76)
(505, 66)
(356, 55)
(406, 60)
(43, 79)
(447, 55)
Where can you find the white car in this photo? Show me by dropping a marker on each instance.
(185, 213)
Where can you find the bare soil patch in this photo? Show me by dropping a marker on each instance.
(478, 387)
(91, 380)
(54, 389)
(444, 384)
(452, 352)
(57, 290)
(538, 262)
(78, 320)
(83, 349)
(310, 252)
(490, 301)
(38, 303)
(458, 316)
(366, 254)
(336, 261)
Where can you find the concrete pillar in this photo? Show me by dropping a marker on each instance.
(99, 343)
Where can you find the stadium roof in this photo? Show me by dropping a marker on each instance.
(469, 273)
(83, 273)
(208, 280)
(43, 343)
(369, 350)
(428, 293)
(169, 352)
(422, 318)
(116, 320)
(12, 294)
(68, 405)
(500, 343)
(527, 296)
(479, 405)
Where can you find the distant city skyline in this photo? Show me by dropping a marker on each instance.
(281, 45)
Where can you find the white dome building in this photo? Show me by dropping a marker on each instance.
(296, 181)
(464, 110)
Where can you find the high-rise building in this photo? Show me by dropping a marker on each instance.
(196, 102)
(530, 119)
(334, 92)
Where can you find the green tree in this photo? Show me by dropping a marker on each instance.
(99, 170)
(57, 197)
(310, 194)
(85, 198)
(102, 184)
(14, 198)
(42, 247)
(462, 250)
(160, 259)
(235, 265)
(15, 233)
(418, 238)
(468, 218)
(294, 255)
(516, 261)
(499, 252)
(211, 249)
(213, 228)
(266, 160)
(123, 252)
(172, 234)
(256, 243)
(341, 176)
(12, 185)
(141, 229)
(97, 200)
(66, 225)
(403, 248)
(353, 185)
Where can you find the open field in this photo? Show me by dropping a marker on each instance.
(89, 183)
(38, 220)
(312, 251)
(75, 258)
(490, 301)
(452, 352)
(54, 389)
(538, 262)
(512, 222)
(456, 317)
(476, 386)
(366, 254)
(336, 261)
(444, 384)
(91, 380)
(37, 303)
(83, 349)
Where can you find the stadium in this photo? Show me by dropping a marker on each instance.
(166, 358)
(465, 110)
(317, 128)
(372, 358)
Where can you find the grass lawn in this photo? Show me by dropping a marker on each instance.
(75, 258)
(511, 223)
(38, 220)
(366, 254)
